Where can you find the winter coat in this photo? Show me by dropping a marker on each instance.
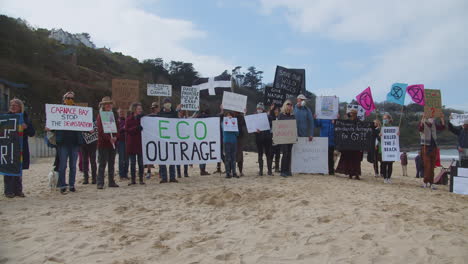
(133, 135)
(305, 121)
(462, 135)
(327, 129)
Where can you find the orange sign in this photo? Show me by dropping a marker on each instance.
(125, 92)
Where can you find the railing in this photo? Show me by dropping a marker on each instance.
(39, 149)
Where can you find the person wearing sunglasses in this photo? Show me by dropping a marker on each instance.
(287, 113)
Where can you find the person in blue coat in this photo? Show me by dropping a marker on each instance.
(327, 129)
(304, 118)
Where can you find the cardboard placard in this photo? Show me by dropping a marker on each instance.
(433, 103)
(234, 102)
(69, 117)
(284, 132)
(11, 144)
(190, 98)
(390, 143)
(310, 156)
(156, 89)
(125, 92)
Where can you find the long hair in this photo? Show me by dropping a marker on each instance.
(284, 108)
(390, 119)
(19, 102)
(133, 107)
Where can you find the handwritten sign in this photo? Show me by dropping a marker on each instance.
(274, 96)
(284, 132)
(91, 137)
(433, 103)
(190, 98)
(310, 156)
(257, 121)
(458, 119)
(11, 144)
(230, 124)
(68, 117)
(108, 121)
(390, 144)
(353, 135)
(125, 92)
(159, 89)
(291, 82)
(234, 102)
(416, 91)
(326, 107)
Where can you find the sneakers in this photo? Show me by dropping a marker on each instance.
(389, 180)
(385, 181)
(10, 195)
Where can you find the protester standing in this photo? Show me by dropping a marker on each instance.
(263, 140)
(167, 112)
(241, 141)
(154, 112)
(133, 130)
(375, 153)
(404, 163)
(287, 113)
(204, 113)
(276, 149)
(182, 114)
(428, 128)
(106, 146)
(13, 185)
(304, 118)
(419, 166)
(350, 160)
(230, 147)
(121, 145)
(327, 129)
(462, 146)
(88, 151)
(386, 166)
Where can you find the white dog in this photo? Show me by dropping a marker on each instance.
(53, 178)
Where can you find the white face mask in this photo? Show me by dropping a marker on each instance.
(303, 103)
(259, 111)
(167, 106)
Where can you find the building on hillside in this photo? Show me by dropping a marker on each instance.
(105, 50)
(71, 39)
(7, 92)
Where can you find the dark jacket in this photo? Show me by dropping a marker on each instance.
(68, 138)
(169, 114)
(283, 116)
(133, 132)
(266, 135)
(462, 135)
(104, 139)
(121, 129)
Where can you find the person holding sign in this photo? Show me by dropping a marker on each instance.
(350, 160)
(264, 142)
(275, 149)
(304, 118)
(462, 147)
(88, 151)
(287, 113)
(13, 185)
(230, 149)
(133, 130)
(386, 167)
(154, 112)
(327, 129)
(167, 112)
(428, 128)
(106, 144)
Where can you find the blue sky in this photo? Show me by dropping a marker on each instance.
(344, 46)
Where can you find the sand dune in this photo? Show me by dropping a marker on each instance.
(210, 219)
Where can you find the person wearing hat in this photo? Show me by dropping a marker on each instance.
(264, 142)
(428, 128)
(167, 112)
(350, 160)
(462, 134)
(304, 118)
(106, 146)
(68, 146)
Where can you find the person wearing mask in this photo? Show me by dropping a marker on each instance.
(106, 146)
(428, 128)
(419, 166)
(304, 118)
(133, 130)
(462, 146)
(275, 149)
(121, 145)
(88, 151)
(264, 141)
(287, 113)
(68, 146)
(327, 129)
(350, 160)
(230, 146)
(404, 163)
(167, 112)
(386, 166)
(182, 114)
(154, 112)
(13, 185)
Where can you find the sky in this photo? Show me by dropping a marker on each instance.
(344, 46)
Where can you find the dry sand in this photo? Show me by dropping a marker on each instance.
(210, 219)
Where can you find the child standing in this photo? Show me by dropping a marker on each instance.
(230, 150)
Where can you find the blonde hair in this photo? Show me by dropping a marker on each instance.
(379, 124)
(19, 102)
(389, 117)
(284, 108)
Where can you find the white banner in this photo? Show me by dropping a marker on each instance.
(230, 124)
(108, 121)
(310, 156)
(190, 98)
(159, 89)
(172, 141)
(234, 102)
(257, 121)
(458, 119)
(68, 117)
(326, 107)
(390, 143)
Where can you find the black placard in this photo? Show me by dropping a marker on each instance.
(353, 135)
(291, 82)
(11, 140)
(273, 96)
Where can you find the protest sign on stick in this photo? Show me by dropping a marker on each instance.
(284, 132)
(11, 144)
(125, 92)
(69, 117)
(310, 156)
(90, 137)
(458, 119)
(190, 98)
(108, 122)
(366, 100)
(397, 93)
(169, 141)
(230, 124)
(433, 103)
(416, 92)
(257, 121)
(326, 107)
(354, 135)
(390, 143)
(157, 89)
(234, 102)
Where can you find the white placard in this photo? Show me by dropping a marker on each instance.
(156, 89)
(326, 107)
(190, 98)
(458, 119)
(234, 102)
(310, 156)
(460, 185)
(257, 121)
(230, 124)
(390, 144)
(172, 141)
(284, 132)
(462, 172)
(68, 117)
(108, 121)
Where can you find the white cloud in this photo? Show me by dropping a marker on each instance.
(121, 25)
(419, 41)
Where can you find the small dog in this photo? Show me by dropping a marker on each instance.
(53, 178)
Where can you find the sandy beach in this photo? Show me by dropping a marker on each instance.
(210, 219)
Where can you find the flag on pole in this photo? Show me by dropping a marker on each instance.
(397, 93)
(366, 101)
(209, 84)
(416, 91)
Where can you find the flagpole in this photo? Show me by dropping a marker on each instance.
(401, 115)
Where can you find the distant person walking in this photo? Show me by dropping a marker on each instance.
(419, 166)
(404, 163)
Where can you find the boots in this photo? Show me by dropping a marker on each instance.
(141, 179)
(269, 165)
(240, 165)
(260, 167)
(86, 178)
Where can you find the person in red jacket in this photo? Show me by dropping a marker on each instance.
(106, 146)
(133, 141)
